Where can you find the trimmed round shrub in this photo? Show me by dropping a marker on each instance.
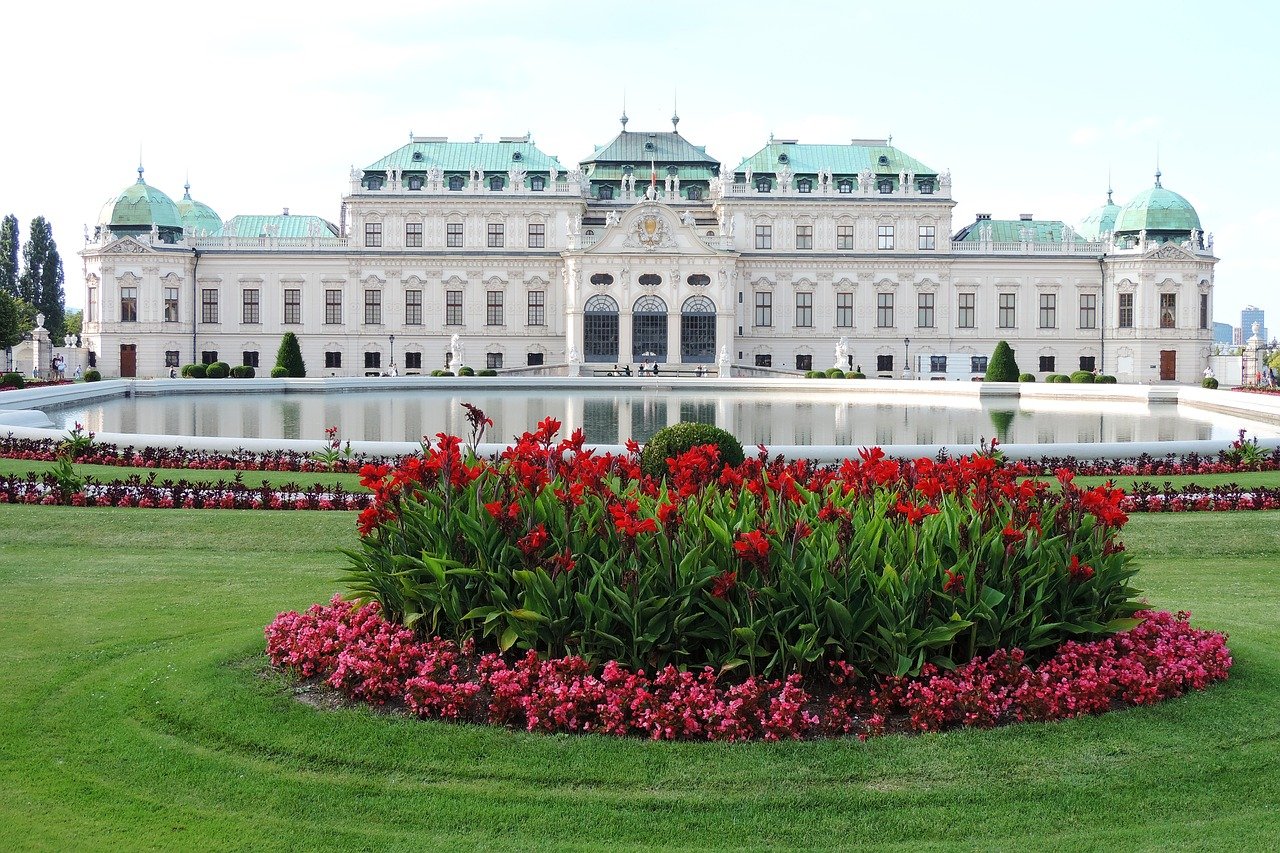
(1002, 367)
(834, 373)
(814, 374)
(1026, 377)
(92, 375)
(855, 375)
(194, 371)
(1083, 377)
(13, 380)
(488, 371)
(218, 370)
(1104, 379)
(243, 371)
(676, 439)
(1057, 377)
(466, 371)
(279, 372)
(1209, 382)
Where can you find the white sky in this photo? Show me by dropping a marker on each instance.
(268, 105)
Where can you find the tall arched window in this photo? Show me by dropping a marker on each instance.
(600, 329)
(698, 330)
(649, 329)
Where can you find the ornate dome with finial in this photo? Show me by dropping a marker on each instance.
(138, 208)
(1100, 221)
(197, 217)
(1162, 213)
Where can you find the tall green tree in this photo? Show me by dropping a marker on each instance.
(9, 240)
(1002, 367)
(41, 280)
(289, 356)
(9, 332)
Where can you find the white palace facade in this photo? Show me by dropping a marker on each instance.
(650, 250)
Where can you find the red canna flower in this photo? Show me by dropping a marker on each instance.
(723, 584)
(1078, 572)
(954, 583)
(534, 540)
(752, 546)
(914, 513)
(1012, 535)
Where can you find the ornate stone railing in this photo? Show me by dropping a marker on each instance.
(1053, 247)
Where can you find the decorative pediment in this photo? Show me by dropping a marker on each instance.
(650, 228)
(535, 283)
(455, 281)
(927, 286)
(128, 277)
(127, 246)
(494, 282)
(1170, 252)
(374, 279)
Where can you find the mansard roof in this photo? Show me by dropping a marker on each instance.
(423, 152)
(861, 154)
(635, 148)
(249, 227)
(1019, 231)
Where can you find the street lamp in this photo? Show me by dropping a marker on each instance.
(393, 352)
(906, 372)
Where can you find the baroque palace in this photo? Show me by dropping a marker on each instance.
(650, 250)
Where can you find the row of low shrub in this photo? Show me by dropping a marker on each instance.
(219, 370)
(834, 373)
(1080, 377)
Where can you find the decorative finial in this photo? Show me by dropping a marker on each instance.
(889, 141)
(1157, 176)
(675, 113)
(186, 186)
(1109, 185)
(1157, 164)
(624, 111)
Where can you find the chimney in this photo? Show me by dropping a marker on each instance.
(1025, 217)
(984, 217)
(286, 211)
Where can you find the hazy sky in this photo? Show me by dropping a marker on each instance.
(268, 105)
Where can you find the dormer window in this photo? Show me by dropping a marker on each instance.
(455, 183)
(884, 160)
(537, 183)
(804, 185)
(783, 158)
(417, 156)
(517, 156)
(648, 146)
(415, 182)
(694, 194)
(495, 184)
(926, 187)
(764, 185)
(845, 185)
(373, 183)
(605, 193)
(885, 187)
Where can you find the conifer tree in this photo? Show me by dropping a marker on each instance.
(42, 279)
(289, 356)
(9, 240)
(1002, 367)
(10, 334)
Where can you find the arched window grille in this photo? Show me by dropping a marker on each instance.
(698, 330)
(600, 329)
(649, 329)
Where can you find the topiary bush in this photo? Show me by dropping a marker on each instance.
(195, 371)
(243, 371)
(466, 371)
(279, 372)
(488, 371)
(92, 375)
(1057, 377)
(834, 373)
(289, 356)
(218, 370)
(1026, 377)
(814, 374)
(1002, 367)
(1083, 377)
(13, 380)
(1104, 379)
(1209, 382)
(855, 375)
(676, 439)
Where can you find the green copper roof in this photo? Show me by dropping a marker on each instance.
(688, 172)
(639, 147)
(1013, 230)
(249, 227)
(1157, 209)
(839, 159)
(420, 155)
(140, 206)
(197, 217)
(1100, 222)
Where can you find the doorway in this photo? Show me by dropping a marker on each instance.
(1168, 364)
(128, 361)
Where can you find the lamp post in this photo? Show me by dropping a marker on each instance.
(906, 372)
(393, 353)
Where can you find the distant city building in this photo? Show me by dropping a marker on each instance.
(651, 250)
(1250, 315)
(1224, 334)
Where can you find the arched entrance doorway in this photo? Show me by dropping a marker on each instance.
(600, 329)
(698, 330)
(649, 329)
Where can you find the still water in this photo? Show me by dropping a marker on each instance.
(609, 417)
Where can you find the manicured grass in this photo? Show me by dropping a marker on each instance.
(134, 715)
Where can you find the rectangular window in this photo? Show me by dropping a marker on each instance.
(413, 235)
(884, 364)
(937, 364)
(493, 308)
(493, 360)
(373, 234)
(804, 362)
(764, 361)
(1048, 310)
(373, 307)
(413, 361)
(978, 364)
(1087, 362)
(844, 310)
(91, 307)
(1204, 310)
(924, 310)
(333, 307)
(1008, 310)
(537, 308)
(884, 236)
(804, 236)
(293, 306)
(332, 360)
(764, 308)
(413, 307)
(804, 310)
(497, 235)
(926, 238)
(537, 235)
(453, 307)
(534, 359)
(171, 304)
(1088, 311)
(453, 235)
(966, 305)
(844, 236)
(208, 356)
(171, 358)
(1047, 363)
(1168, 310)
(1126, 311)
(128, 305)
(250, 305)
(209, 305)
(884, 310)
(764, 236)
(372, 360)
(249, 357)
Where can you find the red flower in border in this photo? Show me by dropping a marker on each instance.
(752, 546)
(723, 584)
(1078, 572)
(954, 583)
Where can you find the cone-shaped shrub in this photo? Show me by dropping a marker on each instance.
(289, 356)
(1002, 367)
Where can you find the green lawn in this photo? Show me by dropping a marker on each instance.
(107, 473)
(134, 715)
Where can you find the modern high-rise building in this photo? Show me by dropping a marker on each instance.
(1248, 316)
